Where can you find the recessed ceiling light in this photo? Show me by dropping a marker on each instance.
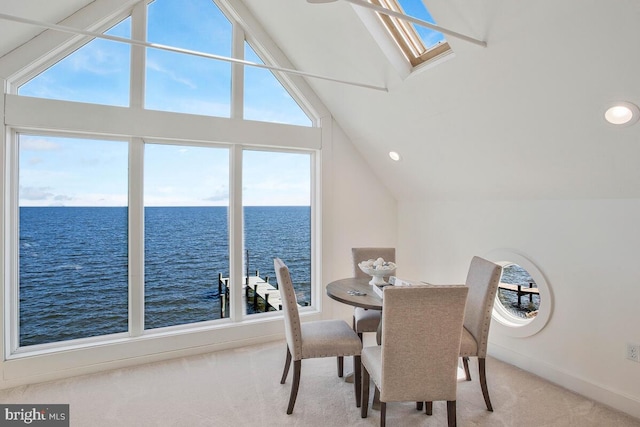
(394, 156)
(622, 113)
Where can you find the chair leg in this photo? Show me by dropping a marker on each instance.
(451, 413)
(465, 362)
(364, 407)
(376, 399)
(383, 414)
(483, 383)
(357, 381)
(287, 363)
(340, 366)
(429, 408)
(294, 386)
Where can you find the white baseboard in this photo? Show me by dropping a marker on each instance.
(597, 392)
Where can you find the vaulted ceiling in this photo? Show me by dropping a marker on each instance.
(519, 119)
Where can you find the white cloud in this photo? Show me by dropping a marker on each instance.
(36, 193)
(95, 60)
(173, 76)
(38, 144)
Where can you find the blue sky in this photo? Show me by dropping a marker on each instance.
(56, 171)
(417, 9)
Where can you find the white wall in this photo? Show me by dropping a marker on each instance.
(359, 212)
(587, 250)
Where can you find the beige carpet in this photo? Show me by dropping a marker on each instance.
(241, 388)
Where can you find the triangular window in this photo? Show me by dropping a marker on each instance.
(98, 73)
(265, 99)
(417, 43)
(180, 74)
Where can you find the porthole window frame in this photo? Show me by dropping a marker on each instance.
(505, 322)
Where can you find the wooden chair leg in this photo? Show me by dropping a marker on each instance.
(340, 366)
(465, 362)
(287, 363)
(353, 326)
(451, 413)
(383, 414)
(364, 407)
(294, 386)
(428, 408)
(483, 383)
(419, 406)
(357, 382)
(376, 399)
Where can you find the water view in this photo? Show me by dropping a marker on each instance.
(528, 304)
(74, 265)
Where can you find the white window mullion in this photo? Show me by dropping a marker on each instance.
(10, 250)
(236, 229)
(316, 232)
(136, 176)
(237, 74)
(136, 237)
(138, 56)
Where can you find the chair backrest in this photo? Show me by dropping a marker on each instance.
(363, 254)
(421, 333)
(292, 327)
(483, 279)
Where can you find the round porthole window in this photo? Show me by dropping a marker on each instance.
(523, 302)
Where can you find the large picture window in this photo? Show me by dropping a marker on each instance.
(277, 223)
(73, 238)
(74, 234)
(136, 208)
(186, 233)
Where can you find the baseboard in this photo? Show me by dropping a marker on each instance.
(597, 392)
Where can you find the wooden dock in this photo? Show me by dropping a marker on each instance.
(259, 294)
(521, 291)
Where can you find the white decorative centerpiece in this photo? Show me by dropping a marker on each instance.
(377, 269)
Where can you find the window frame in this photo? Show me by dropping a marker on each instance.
(136, 256)
(406, 37)
(65, 119)
(505, 321)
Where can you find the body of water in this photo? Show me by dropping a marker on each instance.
(516, 275)
(74, 278)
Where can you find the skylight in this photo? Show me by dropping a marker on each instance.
(418, 44)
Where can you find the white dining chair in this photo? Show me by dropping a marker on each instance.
(313, 339)
(482, 279)
(417, 360)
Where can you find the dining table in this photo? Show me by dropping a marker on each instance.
(356, 292)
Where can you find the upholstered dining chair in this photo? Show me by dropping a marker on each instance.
(320, 338)
(368, 320)
(482, 279)
(418, 357)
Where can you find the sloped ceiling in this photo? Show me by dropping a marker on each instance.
(16, 34)
(519, 119)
